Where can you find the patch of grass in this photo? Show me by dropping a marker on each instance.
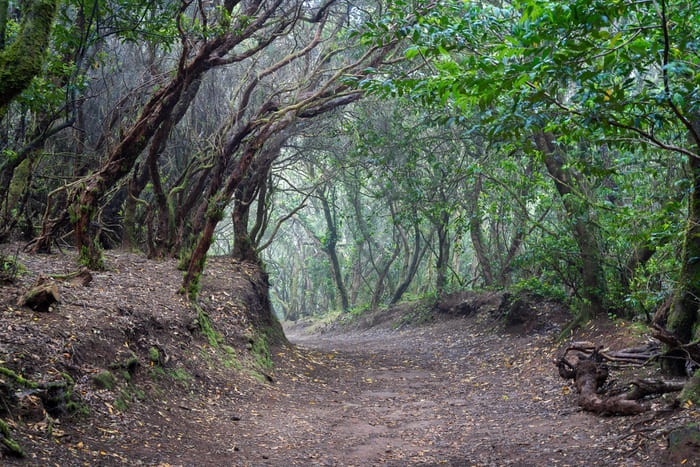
(128, 395)
(180, 374)
(129, 364)
(104, 380)
(121, 404)
(154, 355)
(77, 409)
(261, 352)
(156, 372)
(229, 359)
(206, 328)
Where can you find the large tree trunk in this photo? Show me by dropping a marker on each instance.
(592, 276)
(685, 312)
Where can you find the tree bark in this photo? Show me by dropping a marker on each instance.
(589, 374)
(412, 269)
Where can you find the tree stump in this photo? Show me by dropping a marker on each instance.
(41, 296)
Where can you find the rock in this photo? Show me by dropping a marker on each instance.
(684, 444)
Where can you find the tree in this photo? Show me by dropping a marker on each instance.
(621, 73)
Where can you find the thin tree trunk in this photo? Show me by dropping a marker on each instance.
(592, 277)
(412, 268)
(330, 247)
(443, 253)
(475, 232)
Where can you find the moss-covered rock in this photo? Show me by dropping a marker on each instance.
(691, 390)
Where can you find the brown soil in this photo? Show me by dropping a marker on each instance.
(455, 390)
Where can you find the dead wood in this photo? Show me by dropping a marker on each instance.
(80, 277)
(589, 377)
(41, 296)
(633, 355)
(590, 373)
(644, 387)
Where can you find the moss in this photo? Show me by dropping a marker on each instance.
(129, 364)
(77, 409)
(229, 360)
(20, 178)
(13, 446)
(213, 337)
(122, 404)
(261, 352)
(154, 355)
(91, 259)
(180, 374)
(193, 287)
(691, 390)
(24, 58)
(104, 380)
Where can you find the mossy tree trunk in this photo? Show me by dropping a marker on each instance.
(215, 210)
(684, 319)
(24, 57)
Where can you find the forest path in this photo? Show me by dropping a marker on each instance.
(441, 394)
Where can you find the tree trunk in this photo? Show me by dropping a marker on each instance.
(24, 58)
(684, 318)
(476, 233)
(84, 198)
(376, 296)
(330, 247)
(412, 267)
(592, 276)
(443, 252)
(216, 205)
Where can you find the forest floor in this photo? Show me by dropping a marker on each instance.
(406, 386)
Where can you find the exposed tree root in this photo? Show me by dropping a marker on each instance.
(590, 373)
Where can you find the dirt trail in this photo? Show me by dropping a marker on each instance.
(442, 394)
